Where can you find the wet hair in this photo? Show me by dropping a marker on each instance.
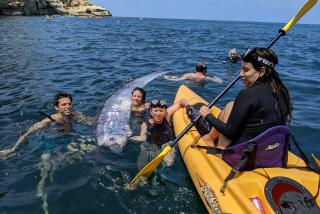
(267, 59)
(61, 95)
(233, 50)
(143, 92)
(201, 67)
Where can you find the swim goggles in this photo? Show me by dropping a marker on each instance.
(158, 103)
(249, 56)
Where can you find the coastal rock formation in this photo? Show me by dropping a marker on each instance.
(81, 8)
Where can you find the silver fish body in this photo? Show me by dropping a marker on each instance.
(113, 123)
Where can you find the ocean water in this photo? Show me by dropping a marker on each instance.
(91, 59)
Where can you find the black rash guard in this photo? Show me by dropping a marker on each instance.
(255, 110)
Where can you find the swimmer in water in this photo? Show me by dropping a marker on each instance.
(198, 76)
(63, 118)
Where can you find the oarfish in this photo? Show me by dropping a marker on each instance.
(113, 123)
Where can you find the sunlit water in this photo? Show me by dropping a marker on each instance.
(91, 59)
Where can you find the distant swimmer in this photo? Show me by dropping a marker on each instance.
(49, 17)
(199, 75)
(63, 118)
(232, 56)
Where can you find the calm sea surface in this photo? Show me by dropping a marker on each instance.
(91, 59)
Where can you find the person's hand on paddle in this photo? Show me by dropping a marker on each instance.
(204, 111)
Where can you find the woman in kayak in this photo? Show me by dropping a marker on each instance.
(263, 103)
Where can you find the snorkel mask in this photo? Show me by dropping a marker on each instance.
(250, 56)
(158, 103)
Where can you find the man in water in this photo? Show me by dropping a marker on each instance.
(157, 131)
(62, 118)
(232, 56)
(199, 75)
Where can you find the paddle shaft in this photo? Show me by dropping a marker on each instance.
(173, 143)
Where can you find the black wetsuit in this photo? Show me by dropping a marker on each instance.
(159, 134)
(255, 110)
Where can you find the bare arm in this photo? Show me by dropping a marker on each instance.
(143, 134)
(173, 108)
(173, 78)
(215, 79)
(7, 152)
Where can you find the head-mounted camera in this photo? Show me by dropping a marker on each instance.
(250, 56)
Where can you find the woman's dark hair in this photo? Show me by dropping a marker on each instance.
(61, 95)
(279, 90)
(143, 92)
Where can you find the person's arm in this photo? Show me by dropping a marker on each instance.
(7, 152)
(143, 134)
(81, 118)
(238, 116)
(174, 107)
(215, 79)
(173, 78)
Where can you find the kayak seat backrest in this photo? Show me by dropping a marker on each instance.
(272, 150)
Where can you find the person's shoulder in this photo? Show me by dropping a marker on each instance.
(245, 92)
(77, 115)
(188, 75)
(250, 93)
(54, 116)
(146, 106)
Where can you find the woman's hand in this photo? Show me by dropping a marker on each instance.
(204, 111)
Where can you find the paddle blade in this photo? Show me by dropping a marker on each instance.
(150, 167)
(316, 159)
(304, 9)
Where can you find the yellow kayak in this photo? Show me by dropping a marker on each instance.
(256, 191)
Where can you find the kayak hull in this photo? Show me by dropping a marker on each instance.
(208, 171)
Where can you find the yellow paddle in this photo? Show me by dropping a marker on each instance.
(150, 167)
(303, 10)
(316, 159)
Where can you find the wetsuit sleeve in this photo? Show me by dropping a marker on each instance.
(243, 104)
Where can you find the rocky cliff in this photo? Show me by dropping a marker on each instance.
(52, 7)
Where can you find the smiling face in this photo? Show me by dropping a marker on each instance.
(233, 56)
(158, 114)
(137, 98)
(64, 106)
(249, 74)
